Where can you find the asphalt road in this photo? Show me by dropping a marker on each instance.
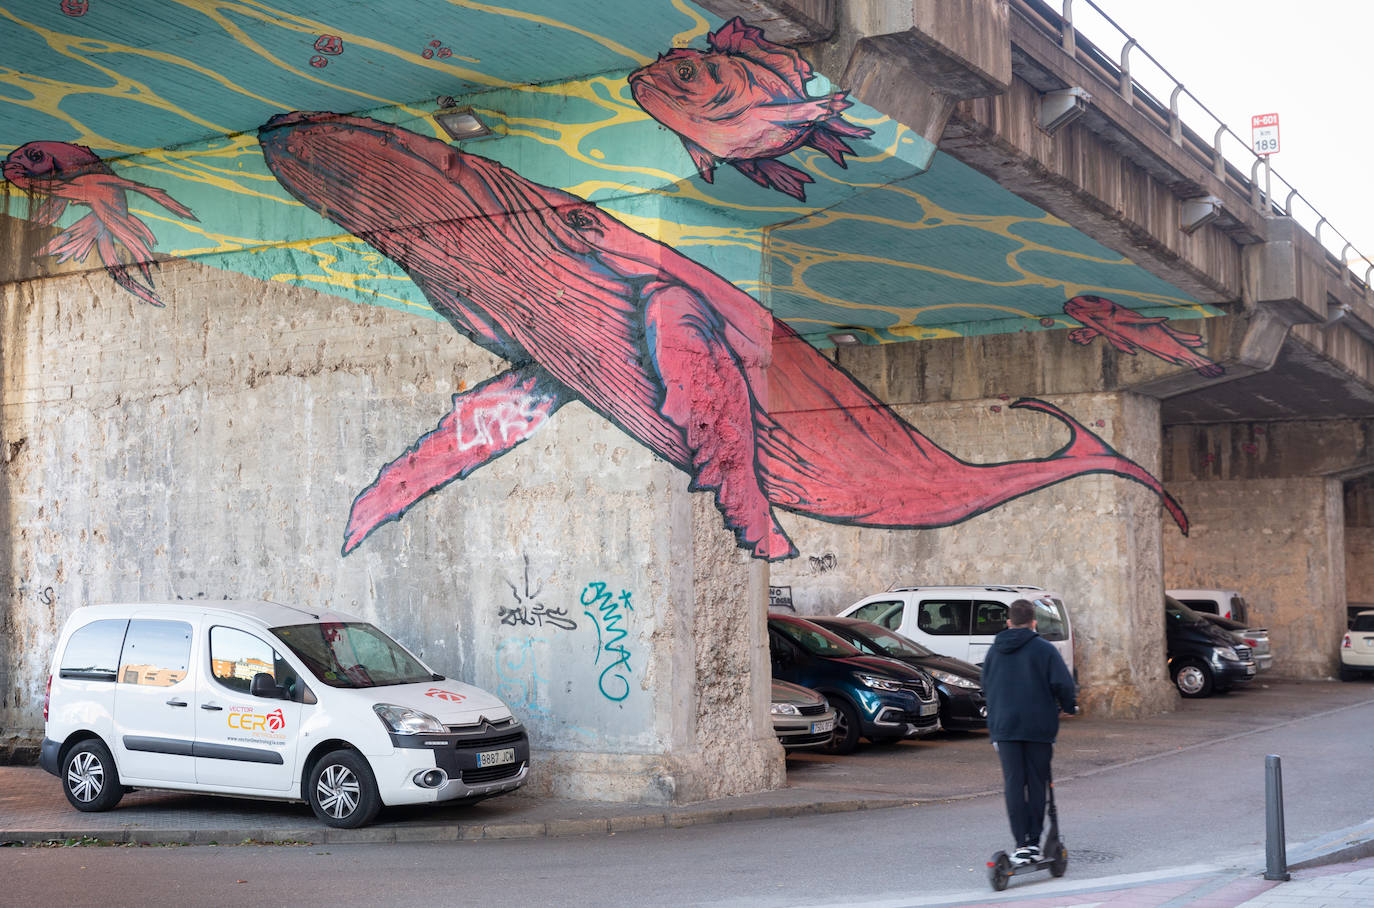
(1197, 804)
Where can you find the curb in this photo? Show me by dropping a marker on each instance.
(448, 832)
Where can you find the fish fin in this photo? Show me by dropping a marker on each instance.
(794, 113)
(705, 161)
(483, 424)
(773, 174)
(1187, 338)
(1084, 335)
(708, 396)
(52, 208)
(119, 271)
(1084, 444)
(74, 243)
(747, 41)
(162, 198)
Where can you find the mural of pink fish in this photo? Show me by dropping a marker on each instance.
(1128, 331)
(586, 309)
(745, 103)
(73, 174)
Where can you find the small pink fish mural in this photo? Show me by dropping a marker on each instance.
(745, 103)
(73, 174)
(1128, 332)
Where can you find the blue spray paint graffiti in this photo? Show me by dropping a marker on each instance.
(610, 619)
(518, 671)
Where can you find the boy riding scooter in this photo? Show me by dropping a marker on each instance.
(1027, 685)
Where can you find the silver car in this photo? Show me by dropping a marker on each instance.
(801, 717)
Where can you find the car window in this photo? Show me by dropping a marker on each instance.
(1201, 605)
(891, 644)
(814, 639)
(351, 654)
(92, 652)
(1181, 613)
(236, 656)
(156, 653)
(1363, 623)
(945, 617)
(989, 618)
(1050, 619)
(887, 612)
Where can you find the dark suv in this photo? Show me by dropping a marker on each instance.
(1202, 657)
(879, 699)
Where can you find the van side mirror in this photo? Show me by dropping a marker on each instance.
(264, 685)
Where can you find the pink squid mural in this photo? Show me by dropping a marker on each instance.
(745, 103)
(586, 309)
(73, 174)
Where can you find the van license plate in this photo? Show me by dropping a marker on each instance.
(930, 709)
(496, 758)
(820, 728)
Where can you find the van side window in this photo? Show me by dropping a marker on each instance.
(887, 612)
(236, 656)
(944, 617)
(1201, 605)
(92, 652)
(989, 618)
(156, 653)
(1049, 619)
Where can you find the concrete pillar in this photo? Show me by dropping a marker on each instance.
(1095, 539)
(1281, 542)
(1359, 542)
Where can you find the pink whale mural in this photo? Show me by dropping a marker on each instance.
(73, 174)
(746, 104)
(586, 309)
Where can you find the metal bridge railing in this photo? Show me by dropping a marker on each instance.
(1058, 25)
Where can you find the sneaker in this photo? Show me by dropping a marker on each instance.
(1021, 856)
(1032, 853)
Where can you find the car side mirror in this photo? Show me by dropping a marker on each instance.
(264, 685)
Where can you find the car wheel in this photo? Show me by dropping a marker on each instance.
(1348, 674)
(342, 790)
(89, 777)
(1193, 679)
(845, 740)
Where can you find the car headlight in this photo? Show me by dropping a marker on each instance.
(402, 720)
(953, 680)
(784, 709)
(1226, 653)
(877, 682)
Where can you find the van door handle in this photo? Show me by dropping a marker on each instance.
(211, 706)
(176, 702)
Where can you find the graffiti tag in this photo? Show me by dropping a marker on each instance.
(529, 611)
(610, 619)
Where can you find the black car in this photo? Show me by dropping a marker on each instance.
(880, 699)
(1202, 657)
(957, 682)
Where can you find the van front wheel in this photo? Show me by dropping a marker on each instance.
(89, 777)
(343, 792)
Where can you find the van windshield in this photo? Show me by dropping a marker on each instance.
(352, 654)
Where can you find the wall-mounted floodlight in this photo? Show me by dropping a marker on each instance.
(844, 339)
(1195, 213)
(462, 123)
(1059, 108)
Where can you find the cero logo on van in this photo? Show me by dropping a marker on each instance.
(246, 720)
(445, 695)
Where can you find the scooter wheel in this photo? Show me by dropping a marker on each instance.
(999, 870)
(1059, 859)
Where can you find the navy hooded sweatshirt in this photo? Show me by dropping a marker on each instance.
(1026, 684)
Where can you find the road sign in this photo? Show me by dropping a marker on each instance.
(1264, 133)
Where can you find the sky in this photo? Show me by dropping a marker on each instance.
(1311, 62)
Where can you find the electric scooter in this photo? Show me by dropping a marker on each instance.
(1054, 856)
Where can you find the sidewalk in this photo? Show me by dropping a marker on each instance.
(1336, 869)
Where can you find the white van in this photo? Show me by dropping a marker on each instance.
(266, 700)
(961, 621)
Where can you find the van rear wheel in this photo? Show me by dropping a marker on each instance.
(343, 792)
(89, 777)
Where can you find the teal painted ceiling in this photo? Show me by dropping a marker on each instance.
(171, 96)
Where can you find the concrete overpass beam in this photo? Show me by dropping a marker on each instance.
(1286, 273)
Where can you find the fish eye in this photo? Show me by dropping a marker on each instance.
(34, 154)
(686, 70)
(579, 219)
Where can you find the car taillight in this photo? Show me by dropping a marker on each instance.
(1251, 643)
(1345, 644)
(47, 697)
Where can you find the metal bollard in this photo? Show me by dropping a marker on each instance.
(1275, 850)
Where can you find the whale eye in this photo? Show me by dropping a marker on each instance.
(579, 218)
(686, 70)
